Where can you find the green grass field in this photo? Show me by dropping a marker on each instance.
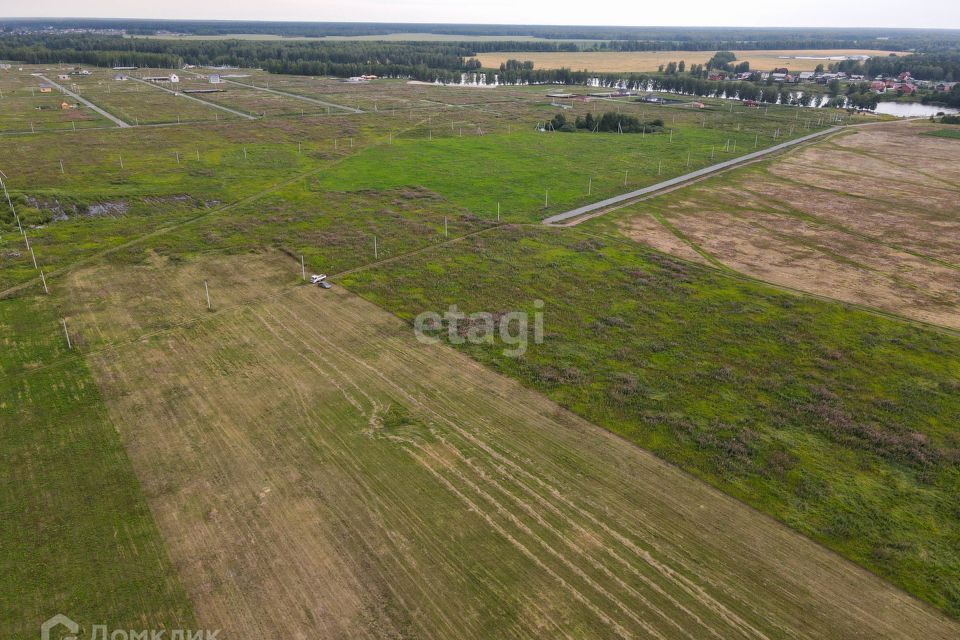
(945, 133)
(533, 175)
(839, 423)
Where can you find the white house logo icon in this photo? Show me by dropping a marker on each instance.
(59, 620)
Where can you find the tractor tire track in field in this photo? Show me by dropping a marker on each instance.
(307, 327)
(499, 460)
(338, 376)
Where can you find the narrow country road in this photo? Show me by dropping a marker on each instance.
(687, 177)
(109, 116)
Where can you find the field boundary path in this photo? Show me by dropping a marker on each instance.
(76, 96)
(687, 177)
(195, 99)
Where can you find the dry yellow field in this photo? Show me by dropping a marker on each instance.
(612, 61)
(317, 472)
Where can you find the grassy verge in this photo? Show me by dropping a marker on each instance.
(945, 133)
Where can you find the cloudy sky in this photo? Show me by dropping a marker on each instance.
(785, 13)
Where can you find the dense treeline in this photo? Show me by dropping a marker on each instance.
(429, 61)
(424, 61)
(609, 122)
(624, 38)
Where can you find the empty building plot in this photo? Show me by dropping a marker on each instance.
(140, 104)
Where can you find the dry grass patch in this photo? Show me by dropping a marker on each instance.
(315, 470)
(871, 218)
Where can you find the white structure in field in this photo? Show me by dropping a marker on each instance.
(171, 78)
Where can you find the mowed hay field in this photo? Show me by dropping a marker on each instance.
(639, 61)
(316, 471)
(871, 217)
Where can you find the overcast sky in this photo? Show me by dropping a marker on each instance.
(782, 13)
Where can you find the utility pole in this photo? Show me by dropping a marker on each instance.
(66, 333)
(206, 290)
(303, 268)
(375, 253)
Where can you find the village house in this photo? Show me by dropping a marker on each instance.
(170, 78)
(903, 87)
